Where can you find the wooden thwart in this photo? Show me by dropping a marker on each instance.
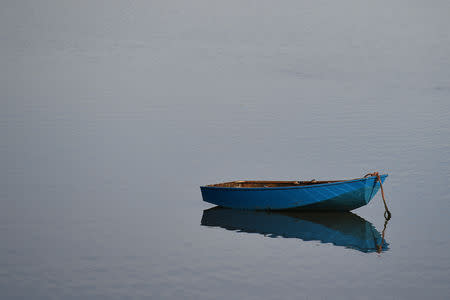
(268, 183)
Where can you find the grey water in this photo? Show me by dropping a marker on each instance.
(113, 113)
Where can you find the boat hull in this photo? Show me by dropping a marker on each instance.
(337, 196)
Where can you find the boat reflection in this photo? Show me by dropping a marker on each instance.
(344, 229)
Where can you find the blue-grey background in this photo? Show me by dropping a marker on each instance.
(113, 113)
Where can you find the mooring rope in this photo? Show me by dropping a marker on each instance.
(387, 213)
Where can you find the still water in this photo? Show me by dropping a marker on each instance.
(113, 113)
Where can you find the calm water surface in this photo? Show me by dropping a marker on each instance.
(114, 113)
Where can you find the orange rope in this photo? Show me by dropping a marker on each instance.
(387, 213)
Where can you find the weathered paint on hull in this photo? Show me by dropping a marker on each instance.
(339, 196)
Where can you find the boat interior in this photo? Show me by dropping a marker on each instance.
(268, 183)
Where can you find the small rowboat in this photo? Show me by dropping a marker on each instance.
(338, 195)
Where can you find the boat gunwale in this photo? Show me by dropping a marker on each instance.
(284, 187)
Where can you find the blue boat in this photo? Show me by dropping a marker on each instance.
(337, 195)
(343, 229)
